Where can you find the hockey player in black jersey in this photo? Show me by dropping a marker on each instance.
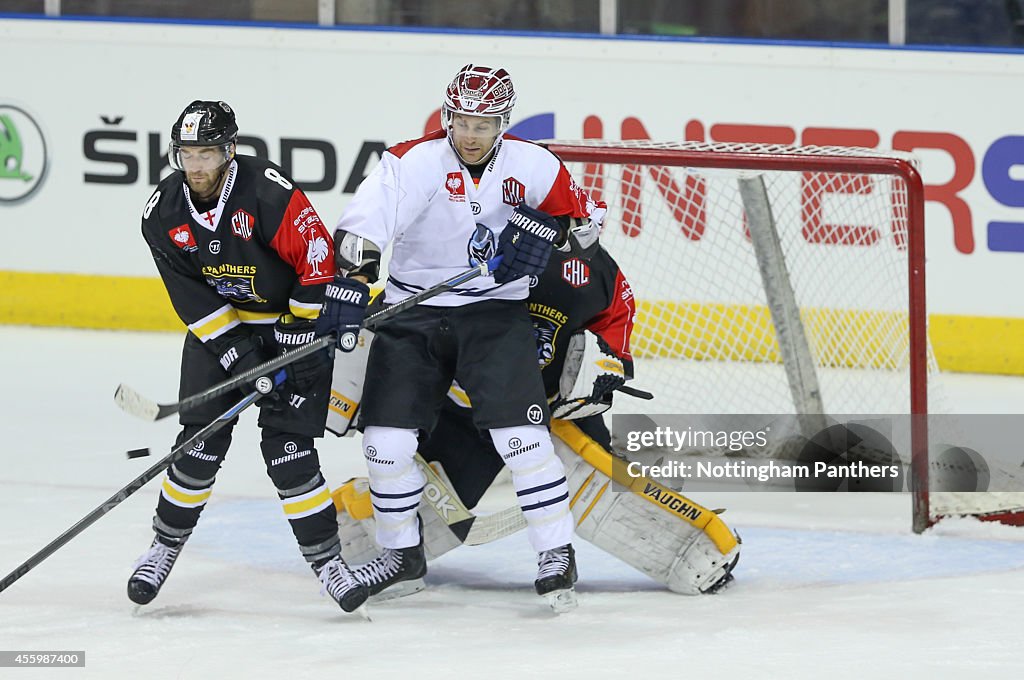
(245, 259)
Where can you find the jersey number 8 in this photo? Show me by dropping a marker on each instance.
(274, 176)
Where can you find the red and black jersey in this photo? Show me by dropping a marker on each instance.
(260, 252)
(574, 294)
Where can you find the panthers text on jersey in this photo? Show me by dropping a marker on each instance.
(259, 252)
(572, 294)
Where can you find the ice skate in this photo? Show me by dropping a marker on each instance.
(394, 565)
(556, 574)
(151, 570)
(339, 582)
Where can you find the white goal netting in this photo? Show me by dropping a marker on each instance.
(804, 303)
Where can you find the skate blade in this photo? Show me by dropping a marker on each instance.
(400, 589)
(362, 611)
(562, 601)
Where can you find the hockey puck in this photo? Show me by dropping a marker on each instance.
(138, 453)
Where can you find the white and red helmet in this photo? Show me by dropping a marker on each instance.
(480, 91)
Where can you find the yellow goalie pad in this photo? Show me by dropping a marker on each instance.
(651, 527)
(353, 497)
(671, 501)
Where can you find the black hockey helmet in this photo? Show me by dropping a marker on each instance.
(203, 123)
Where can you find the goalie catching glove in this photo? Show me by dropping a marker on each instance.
(526, 242)
(590, 375)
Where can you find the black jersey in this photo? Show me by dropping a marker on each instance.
(574, 294)
(260, 252)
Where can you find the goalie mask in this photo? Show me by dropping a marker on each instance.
(584, 232)
(479, 92)
(205, 124)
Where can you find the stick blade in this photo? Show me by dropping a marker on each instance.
(462, 527)
(133, 403)
(487, 528)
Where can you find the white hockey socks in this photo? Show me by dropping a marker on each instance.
(396, 484)
(538, 477)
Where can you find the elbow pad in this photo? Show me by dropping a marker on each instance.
(356, 255)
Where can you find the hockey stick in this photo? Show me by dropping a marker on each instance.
(634, 392)
(470, 529)
(139, 406)
(127, 490)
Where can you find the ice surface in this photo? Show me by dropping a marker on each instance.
(828, 585)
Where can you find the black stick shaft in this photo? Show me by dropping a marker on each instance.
(277, 363)
(126, 491)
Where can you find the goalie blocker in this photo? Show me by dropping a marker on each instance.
(665, 535)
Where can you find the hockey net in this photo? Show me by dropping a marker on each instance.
(705, 232)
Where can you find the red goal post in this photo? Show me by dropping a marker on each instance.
(667, 184)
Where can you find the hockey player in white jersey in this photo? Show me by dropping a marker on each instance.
(444, 202)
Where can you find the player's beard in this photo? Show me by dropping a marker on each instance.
(206, 185)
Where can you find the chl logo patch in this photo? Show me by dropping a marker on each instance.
(535, 414)
(513, 192)
(576, 272)
(242, 224)
(456, 187)
(182, 237)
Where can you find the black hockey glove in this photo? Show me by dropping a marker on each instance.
(291, 333)
(343, 311)
(240, 350)
(525, 243)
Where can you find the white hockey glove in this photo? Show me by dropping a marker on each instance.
(589, 376)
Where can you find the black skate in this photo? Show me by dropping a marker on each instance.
(339, 582)
(556, 574)
(392, 566)
(151, 570)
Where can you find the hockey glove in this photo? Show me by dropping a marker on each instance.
(240, 350)
(343, 311)
(291, 333)
(525, 243)
(590, 375)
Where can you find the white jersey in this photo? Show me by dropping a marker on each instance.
(422, 201)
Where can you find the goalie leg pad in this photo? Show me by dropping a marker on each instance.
(673, 540)
(357, 528)
(539, 480)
